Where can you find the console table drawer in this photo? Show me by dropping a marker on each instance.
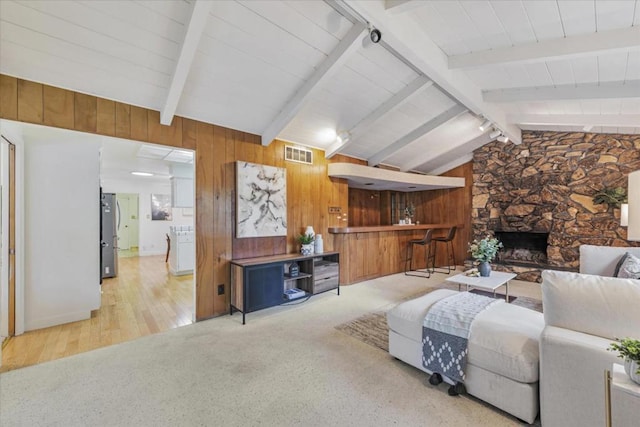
(321, 285)
(322, 270)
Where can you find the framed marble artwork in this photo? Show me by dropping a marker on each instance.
(261, 200)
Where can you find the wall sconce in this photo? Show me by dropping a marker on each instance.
(633, 213)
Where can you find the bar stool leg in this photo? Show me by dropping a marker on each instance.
(409, 258)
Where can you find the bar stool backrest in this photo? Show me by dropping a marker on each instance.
(427, 237)
(452, 233)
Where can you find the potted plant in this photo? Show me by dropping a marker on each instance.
(629, 350)
(306, 242)
(409, 211)
(484, 251)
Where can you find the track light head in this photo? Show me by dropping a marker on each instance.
(485, 125)
(495, 134)
(375, 35)
(503, 139)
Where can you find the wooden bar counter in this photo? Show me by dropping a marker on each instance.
(370, 252)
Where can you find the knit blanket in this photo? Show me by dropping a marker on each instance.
(445, 333)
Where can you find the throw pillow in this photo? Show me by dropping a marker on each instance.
(628, 267)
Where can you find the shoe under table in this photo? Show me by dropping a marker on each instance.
(503, 356)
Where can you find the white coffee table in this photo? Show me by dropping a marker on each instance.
(493, 282)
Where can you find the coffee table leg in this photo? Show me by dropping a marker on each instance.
(506, 297)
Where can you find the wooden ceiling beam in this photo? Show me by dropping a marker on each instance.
(347, 46)
(567, 47)
(193, 33)
(420, 131)
(616, 120)
(605, 90)
(415, 87)
(404, 36)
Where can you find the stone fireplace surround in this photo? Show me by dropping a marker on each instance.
(546, 185)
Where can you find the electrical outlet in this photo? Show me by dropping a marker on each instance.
(221, 289)
(335, 209)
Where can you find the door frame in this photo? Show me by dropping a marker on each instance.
(8, 256)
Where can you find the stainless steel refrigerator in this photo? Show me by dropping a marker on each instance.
(108, 236)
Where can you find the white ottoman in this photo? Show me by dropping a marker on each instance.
(502, 363)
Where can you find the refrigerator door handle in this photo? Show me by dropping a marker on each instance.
(118, 218)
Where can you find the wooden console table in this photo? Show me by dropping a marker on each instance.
(258, 283)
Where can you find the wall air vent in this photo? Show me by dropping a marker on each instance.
(297, 154)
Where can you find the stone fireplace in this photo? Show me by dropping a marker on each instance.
(522, 248)
(536, 197)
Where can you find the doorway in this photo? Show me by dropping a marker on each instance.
(144, 299)
(7, 238)
(127, 228)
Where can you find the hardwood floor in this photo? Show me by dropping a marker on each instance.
(144, 299)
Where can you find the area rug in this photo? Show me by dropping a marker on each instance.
(372, 329)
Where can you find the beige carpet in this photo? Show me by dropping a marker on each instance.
(288, 366)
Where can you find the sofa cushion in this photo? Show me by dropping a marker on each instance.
(602, 260)
(406, 318)
(503, 338)
(603, 306)
(628, 267)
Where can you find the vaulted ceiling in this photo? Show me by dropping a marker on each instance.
(308, 72)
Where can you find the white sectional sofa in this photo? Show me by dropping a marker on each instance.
(583, 314)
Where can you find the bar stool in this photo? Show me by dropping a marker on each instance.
(448, 243)
(427, 242)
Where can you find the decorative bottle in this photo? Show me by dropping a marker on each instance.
(319, 244)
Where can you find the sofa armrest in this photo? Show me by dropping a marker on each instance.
(572, 366)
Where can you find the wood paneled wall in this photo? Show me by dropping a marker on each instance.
(364, 208)
(451, 206)
(309, 191)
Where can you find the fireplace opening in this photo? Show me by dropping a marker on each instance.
(523, 248)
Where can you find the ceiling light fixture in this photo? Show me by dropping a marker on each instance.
(343, 137)
(138, 173)
(485, 125)
(503, 139)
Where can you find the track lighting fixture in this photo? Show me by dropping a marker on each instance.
(503, 139)
(485, 125)
(375, 35)
(495, 134)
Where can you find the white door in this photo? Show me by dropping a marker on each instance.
(122, 213)
(127, 221)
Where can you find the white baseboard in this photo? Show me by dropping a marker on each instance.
(151, 253)
(46, 322)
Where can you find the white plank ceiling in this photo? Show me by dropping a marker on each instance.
(305, 70)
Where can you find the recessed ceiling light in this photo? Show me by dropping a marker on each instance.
(138, 173)
(327, 135)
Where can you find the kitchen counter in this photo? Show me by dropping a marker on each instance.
(395, 227)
